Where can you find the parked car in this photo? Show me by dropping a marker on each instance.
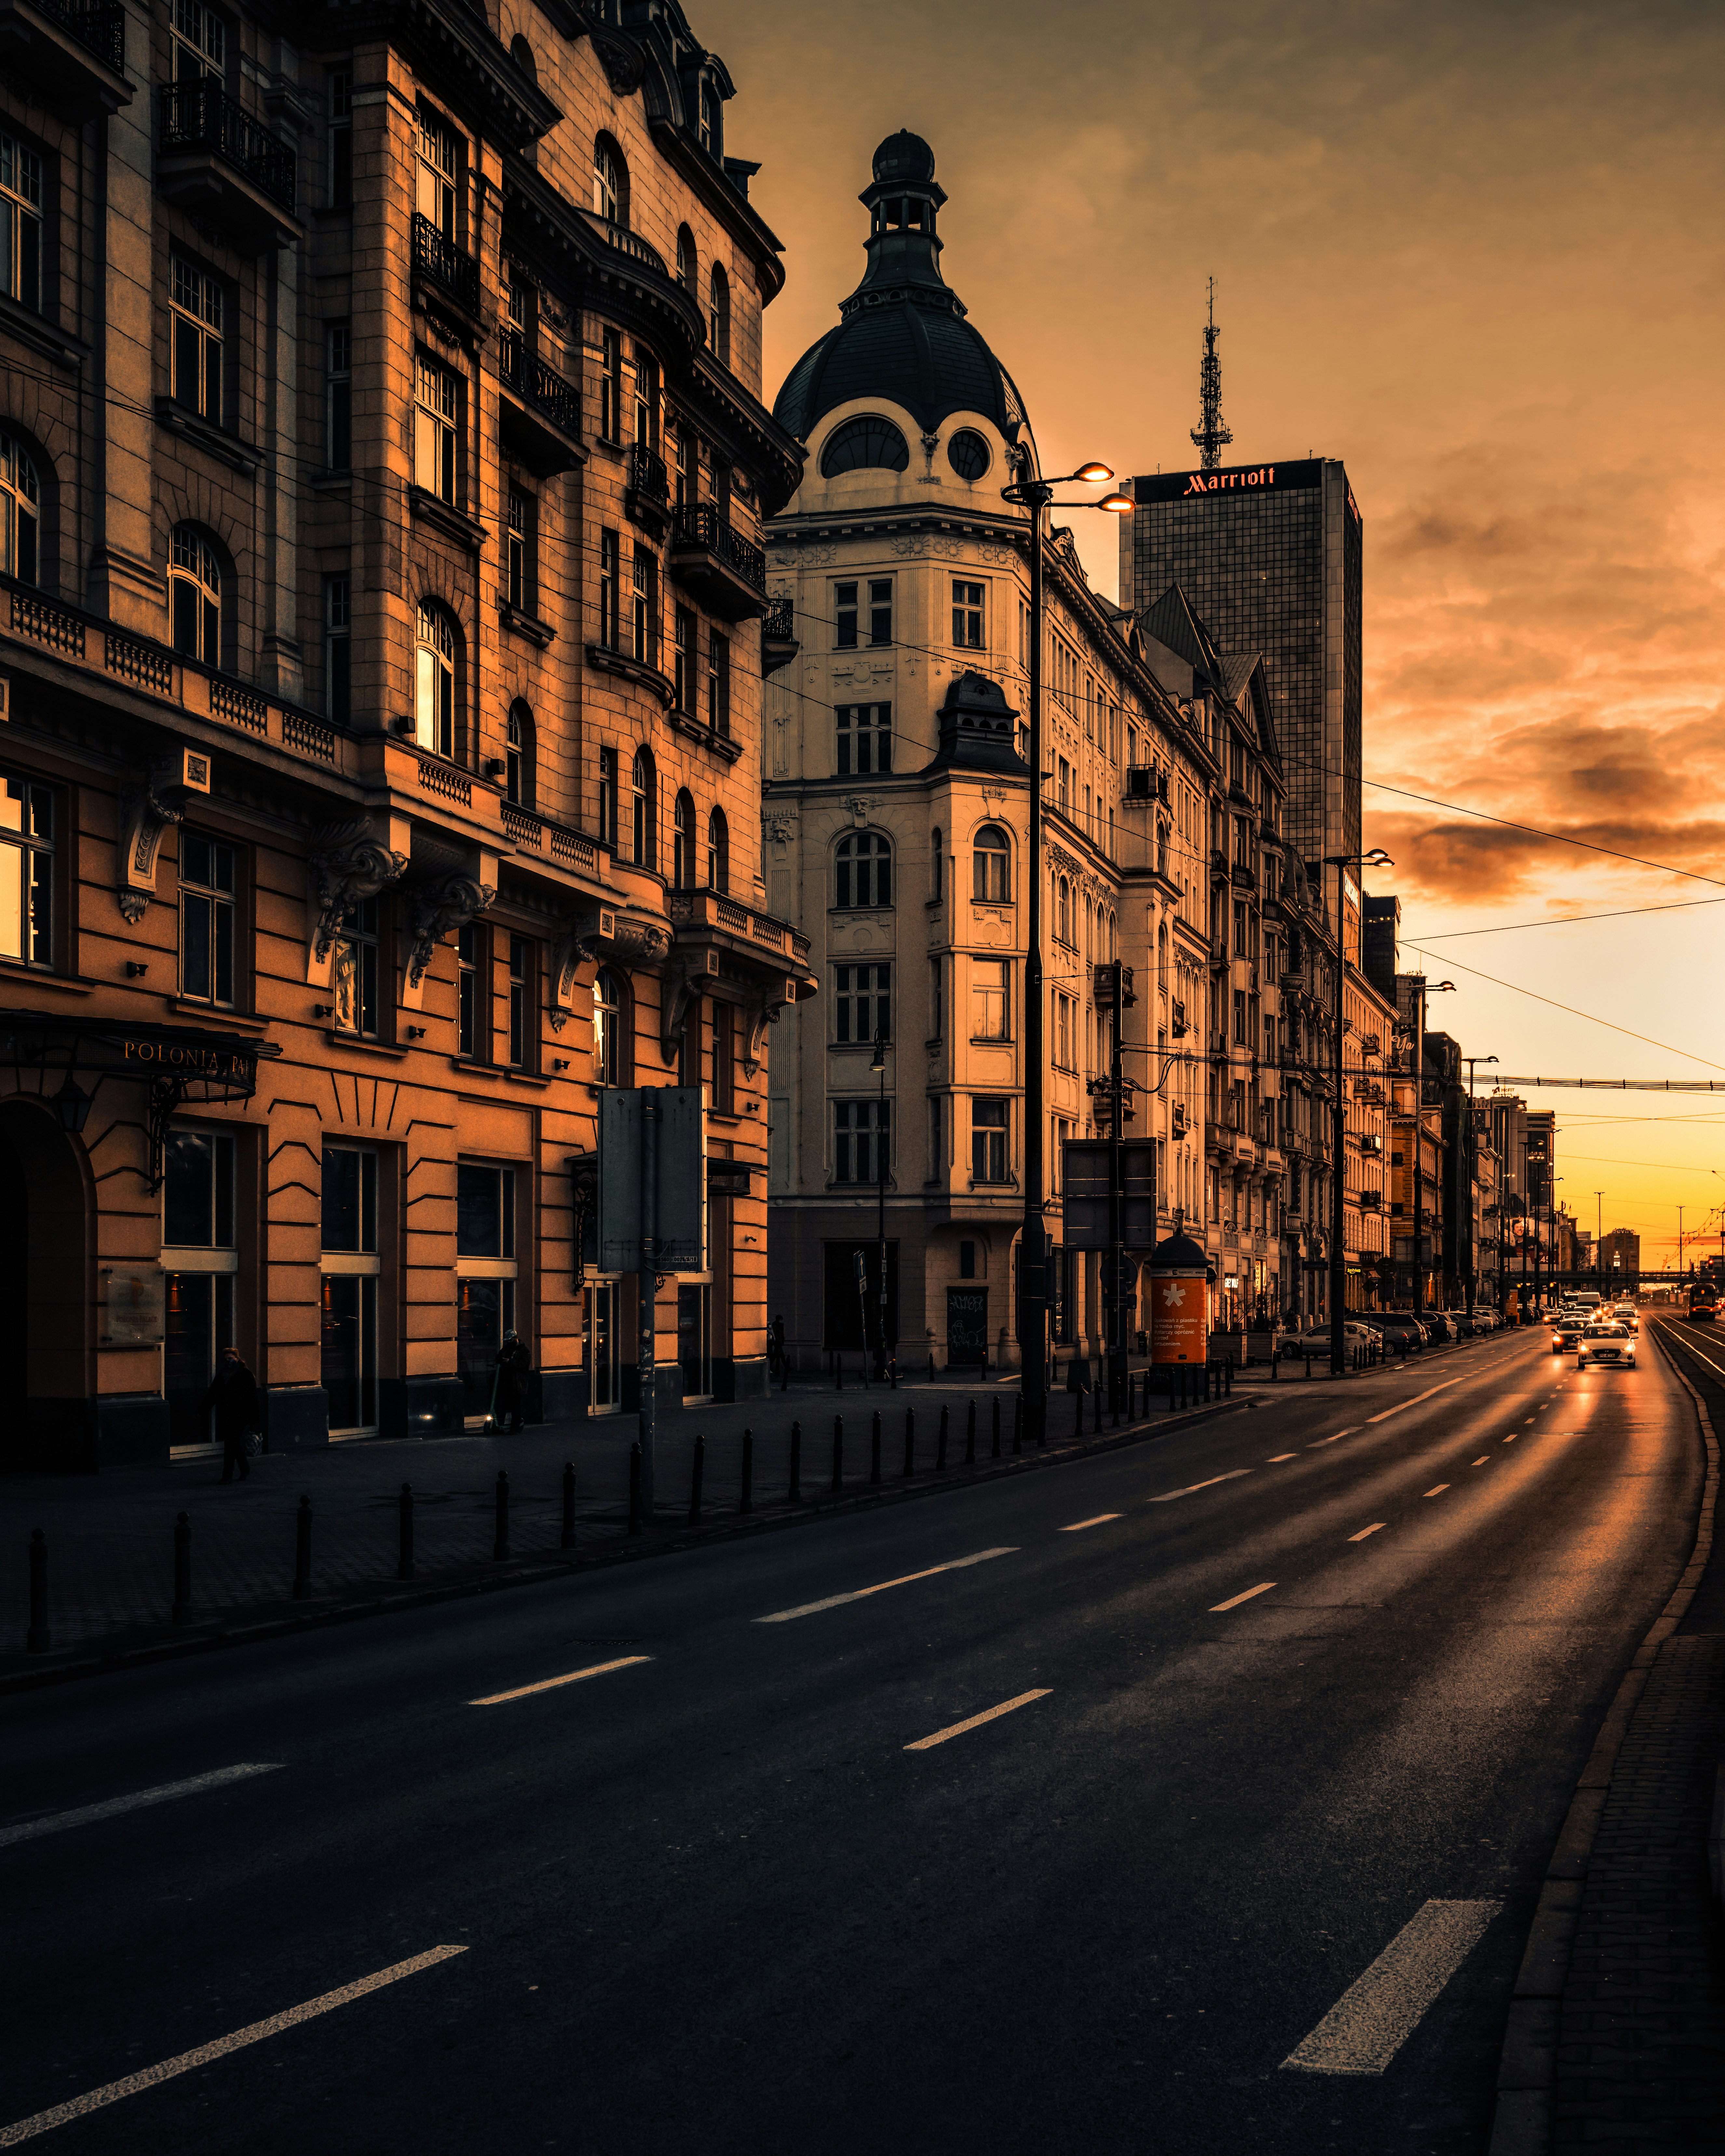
(1438, 1324)
(1606, 1343)
(1317, 1341)
(1399, 1329)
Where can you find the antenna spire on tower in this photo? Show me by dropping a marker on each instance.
(1210, 436)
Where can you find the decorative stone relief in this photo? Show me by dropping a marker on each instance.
(436, 909)
(861, 807)
(347, 862)
(147, 808)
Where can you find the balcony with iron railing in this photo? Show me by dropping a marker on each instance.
(450, 270)
(216, 161)
(779, 644)
(710, 557)
(73, 51)
(646, 489)
(542, 412)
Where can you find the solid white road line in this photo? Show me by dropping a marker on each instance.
(86, 1815)
(1168, 1497)
(26, 2128)
(1275, 1456)
(1375, 2016)
(1234, 1602)
(551, 1684)
(1371, 1529)
(1077, 1525)
(1416, 1399)
(861, 1594)
(1438, 1490)
(976, 1721)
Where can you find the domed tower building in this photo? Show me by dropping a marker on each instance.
(895, 813)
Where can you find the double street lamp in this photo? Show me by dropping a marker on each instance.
(1377, 859)
(1034, 491)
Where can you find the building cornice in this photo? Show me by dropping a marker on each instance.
(454, 49)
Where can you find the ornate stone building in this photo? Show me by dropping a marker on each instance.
(382, 480)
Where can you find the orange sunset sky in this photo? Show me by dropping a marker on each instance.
(1475, 251)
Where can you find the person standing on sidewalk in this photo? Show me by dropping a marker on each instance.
(233, 1395)
(509, 1387)
(776, 1348)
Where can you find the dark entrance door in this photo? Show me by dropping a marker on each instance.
(967, 1325)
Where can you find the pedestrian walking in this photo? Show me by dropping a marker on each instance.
(509, 1385)
(233, 1395)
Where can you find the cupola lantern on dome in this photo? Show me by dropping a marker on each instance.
(902, 336)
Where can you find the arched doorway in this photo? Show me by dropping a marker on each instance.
(46, 1362)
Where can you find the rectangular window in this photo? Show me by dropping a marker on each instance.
(485, 1211)
(987, 1141)
(338, 650)
(206, 892)
(608, 797)
(435, 172)
(20, 222)
(936, 1000)
(471, 1040)
(522, 1003)
(937, 1145)
(354, 976)
(683, 445)
(200, 41)
(845, 617)
(520, 566)
(437, 430)
(644, 606)
(646, 400)
(880, 610)
(1063, 1032)
(349, 1200)
(1240, 928)
(338, 394)
(861, 1137)
(610, 386)
(195, 319)
(862, 1003)
(684, 660)
(724, 1059)
(339, 85)
(1239, 1018)
(864, 738)
(26, 872)
(1063, 788)
(197, 1191)
(988, 998)
(718, 684)
(610, 591)
(967, 616)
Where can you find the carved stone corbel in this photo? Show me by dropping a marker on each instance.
(681, 990)
(147, 808)
(581, 938)
(347, 863)
(436, 909)
(762, 1014)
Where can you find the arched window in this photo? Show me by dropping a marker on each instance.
(1161, 849)
(521, 778)
(609, 1064)
(993, 856)
(610, 182)
(194, 596)
(718, 315)
(682, 843)
(644, 822)
(21, 509)
(1063, 910)
(867, 442)
(435, 650)
(863, 870)
(686, 271)
(718, 852)
(521, 52)
(968, 453)
(1113, 936)
(937, 868)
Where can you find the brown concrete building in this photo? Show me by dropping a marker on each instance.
(382, 475)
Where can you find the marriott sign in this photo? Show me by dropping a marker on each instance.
(1177, 487)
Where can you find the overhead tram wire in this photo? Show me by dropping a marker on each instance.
(1569, 1010)
(1566, 920)
(1533, 831)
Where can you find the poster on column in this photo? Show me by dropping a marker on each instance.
(1179, 1318)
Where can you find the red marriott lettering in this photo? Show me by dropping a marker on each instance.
(1212, 482)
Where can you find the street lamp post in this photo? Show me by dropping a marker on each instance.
(1473, 1178)
(1377, 859)
(1032, 491)
(878, 1063)
(1600, 1241)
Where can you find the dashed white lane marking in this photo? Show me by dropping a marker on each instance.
(1168, 1497)
(1511, 1439)
(976, 1721)
(570, 1677)
(1077, 1525)
(1371, 1529)
(1331, 1439)
(1484, 1460)
(1378, 2013)
(1415, 1401)
(861, 1594)
(1234, 1601)
(87, 1815)
(1276, 1457)
(254, 2033)
(1438, 1490)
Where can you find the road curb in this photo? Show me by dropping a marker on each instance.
(1527, 2073)
(535, 1571)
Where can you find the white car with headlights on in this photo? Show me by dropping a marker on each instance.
(1610, 1344)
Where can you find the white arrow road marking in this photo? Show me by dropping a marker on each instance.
(1375, 2016)
(87, 1815)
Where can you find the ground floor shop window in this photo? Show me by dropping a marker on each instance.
(694, 1340)
(485, 1310)
(485, 1276)
(199, 1324)
(604, 1348)
(350, 1351)
(200, 1258)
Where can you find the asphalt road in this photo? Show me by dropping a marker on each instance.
(717, 1899)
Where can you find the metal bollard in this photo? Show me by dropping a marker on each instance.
(1308, 1365)
(302, 1551)
(746, 1501)
(1275, 1367)
(994, 1434)
(930, 1369)
(940, 1449)
(499, 1541)
(1228, 1379)
(910, 1440)
(892, 1373)
(183, 1570)
(697, 1477)
(1078, 1416)
(1018, 1424)
(36, 1639)
(404, 1518)
(875, 1449)
(635, 1521)
(838, 1452)
(793, 1495)
(970, 1436)
(569, 1534)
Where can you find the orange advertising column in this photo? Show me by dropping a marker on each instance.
(1179, 1302)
